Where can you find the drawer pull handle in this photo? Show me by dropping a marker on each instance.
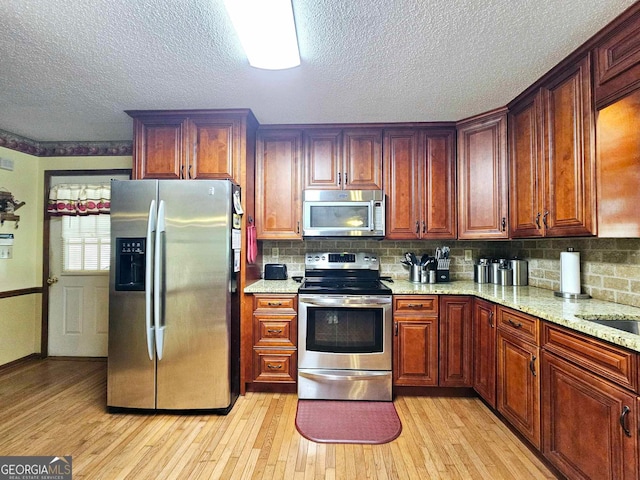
(274, 304)
(623, 422)
(491, 318)
(538, 221)
(532, 365)
(274, 367)
(514, 324)
(414, 305)
(273, 330)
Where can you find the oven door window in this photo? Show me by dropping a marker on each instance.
(345, 330)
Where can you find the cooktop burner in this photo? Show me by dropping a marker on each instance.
(343, 273)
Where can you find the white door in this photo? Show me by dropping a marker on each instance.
(78, 301)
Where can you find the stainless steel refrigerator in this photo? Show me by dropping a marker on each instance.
(173, 301)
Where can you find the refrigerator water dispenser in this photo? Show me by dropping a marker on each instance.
(130, 264)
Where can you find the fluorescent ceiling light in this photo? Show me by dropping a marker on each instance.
(267, 32)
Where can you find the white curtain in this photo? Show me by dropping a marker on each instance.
(79, 199)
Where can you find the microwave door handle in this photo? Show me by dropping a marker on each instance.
(372, 207)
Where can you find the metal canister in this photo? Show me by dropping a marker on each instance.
(481, 273)
(494, 273)
(506, 276)
(520, 271)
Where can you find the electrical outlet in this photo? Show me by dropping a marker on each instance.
(468, 255)
(275, 252)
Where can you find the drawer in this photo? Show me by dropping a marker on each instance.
(275, 330)
(519, 324)
(419, 304)
(275, 366)
(275, 302)
(609, 361)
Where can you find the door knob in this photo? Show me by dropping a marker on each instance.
(52, 280)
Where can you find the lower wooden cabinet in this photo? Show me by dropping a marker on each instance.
(455, 341)
(415, 341)
(589, 425)
(518, 385)
(275, 338)
(484, 350)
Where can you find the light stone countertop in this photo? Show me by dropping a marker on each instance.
(538, 302)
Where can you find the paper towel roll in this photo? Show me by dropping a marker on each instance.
(570, 272)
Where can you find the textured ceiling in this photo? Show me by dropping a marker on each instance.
(69, 68)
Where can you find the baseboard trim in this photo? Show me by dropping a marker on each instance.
(19, 362)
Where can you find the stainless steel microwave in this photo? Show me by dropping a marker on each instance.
(343, 213)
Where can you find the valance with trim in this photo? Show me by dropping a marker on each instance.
(79, 199)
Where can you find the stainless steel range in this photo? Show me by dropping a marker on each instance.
(344, 329)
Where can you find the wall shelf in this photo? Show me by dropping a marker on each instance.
(10, 217)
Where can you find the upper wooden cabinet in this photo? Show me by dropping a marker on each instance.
(191, 144)
(279, 184)
(343, 159)
(617, 58)
(618, 162)
(483, 177)
(552, 157)
(419, 181)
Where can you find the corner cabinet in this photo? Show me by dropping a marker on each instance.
(456, 345)
(483, 177)
(278, 184)
(415, 340)
(191, 144)
(343, 158)
(552, 153)
(484, 350)
(419, 181)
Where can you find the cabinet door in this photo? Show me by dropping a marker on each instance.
(569, 153)
(519, 386)
(212, 155)
(589, 426)
(160, 147)
(617, 59)
(455, 341)
(278, 184)
(619, 168)
(323, 159)
(362, 159)
(416, 352)
(527, 178)
(482, 177)
(484, 350)
(403, 184)
(440, 185)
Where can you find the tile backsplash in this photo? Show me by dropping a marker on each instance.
(609, 268)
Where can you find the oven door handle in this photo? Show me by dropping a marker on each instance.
(341, 301)
(346, 376)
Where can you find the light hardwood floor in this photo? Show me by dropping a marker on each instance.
(57, 407)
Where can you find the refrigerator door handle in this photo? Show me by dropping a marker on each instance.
(158, 281)
(148, 278)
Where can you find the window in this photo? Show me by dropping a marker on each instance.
(86, 243)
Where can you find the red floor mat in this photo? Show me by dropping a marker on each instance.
(336, 421)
